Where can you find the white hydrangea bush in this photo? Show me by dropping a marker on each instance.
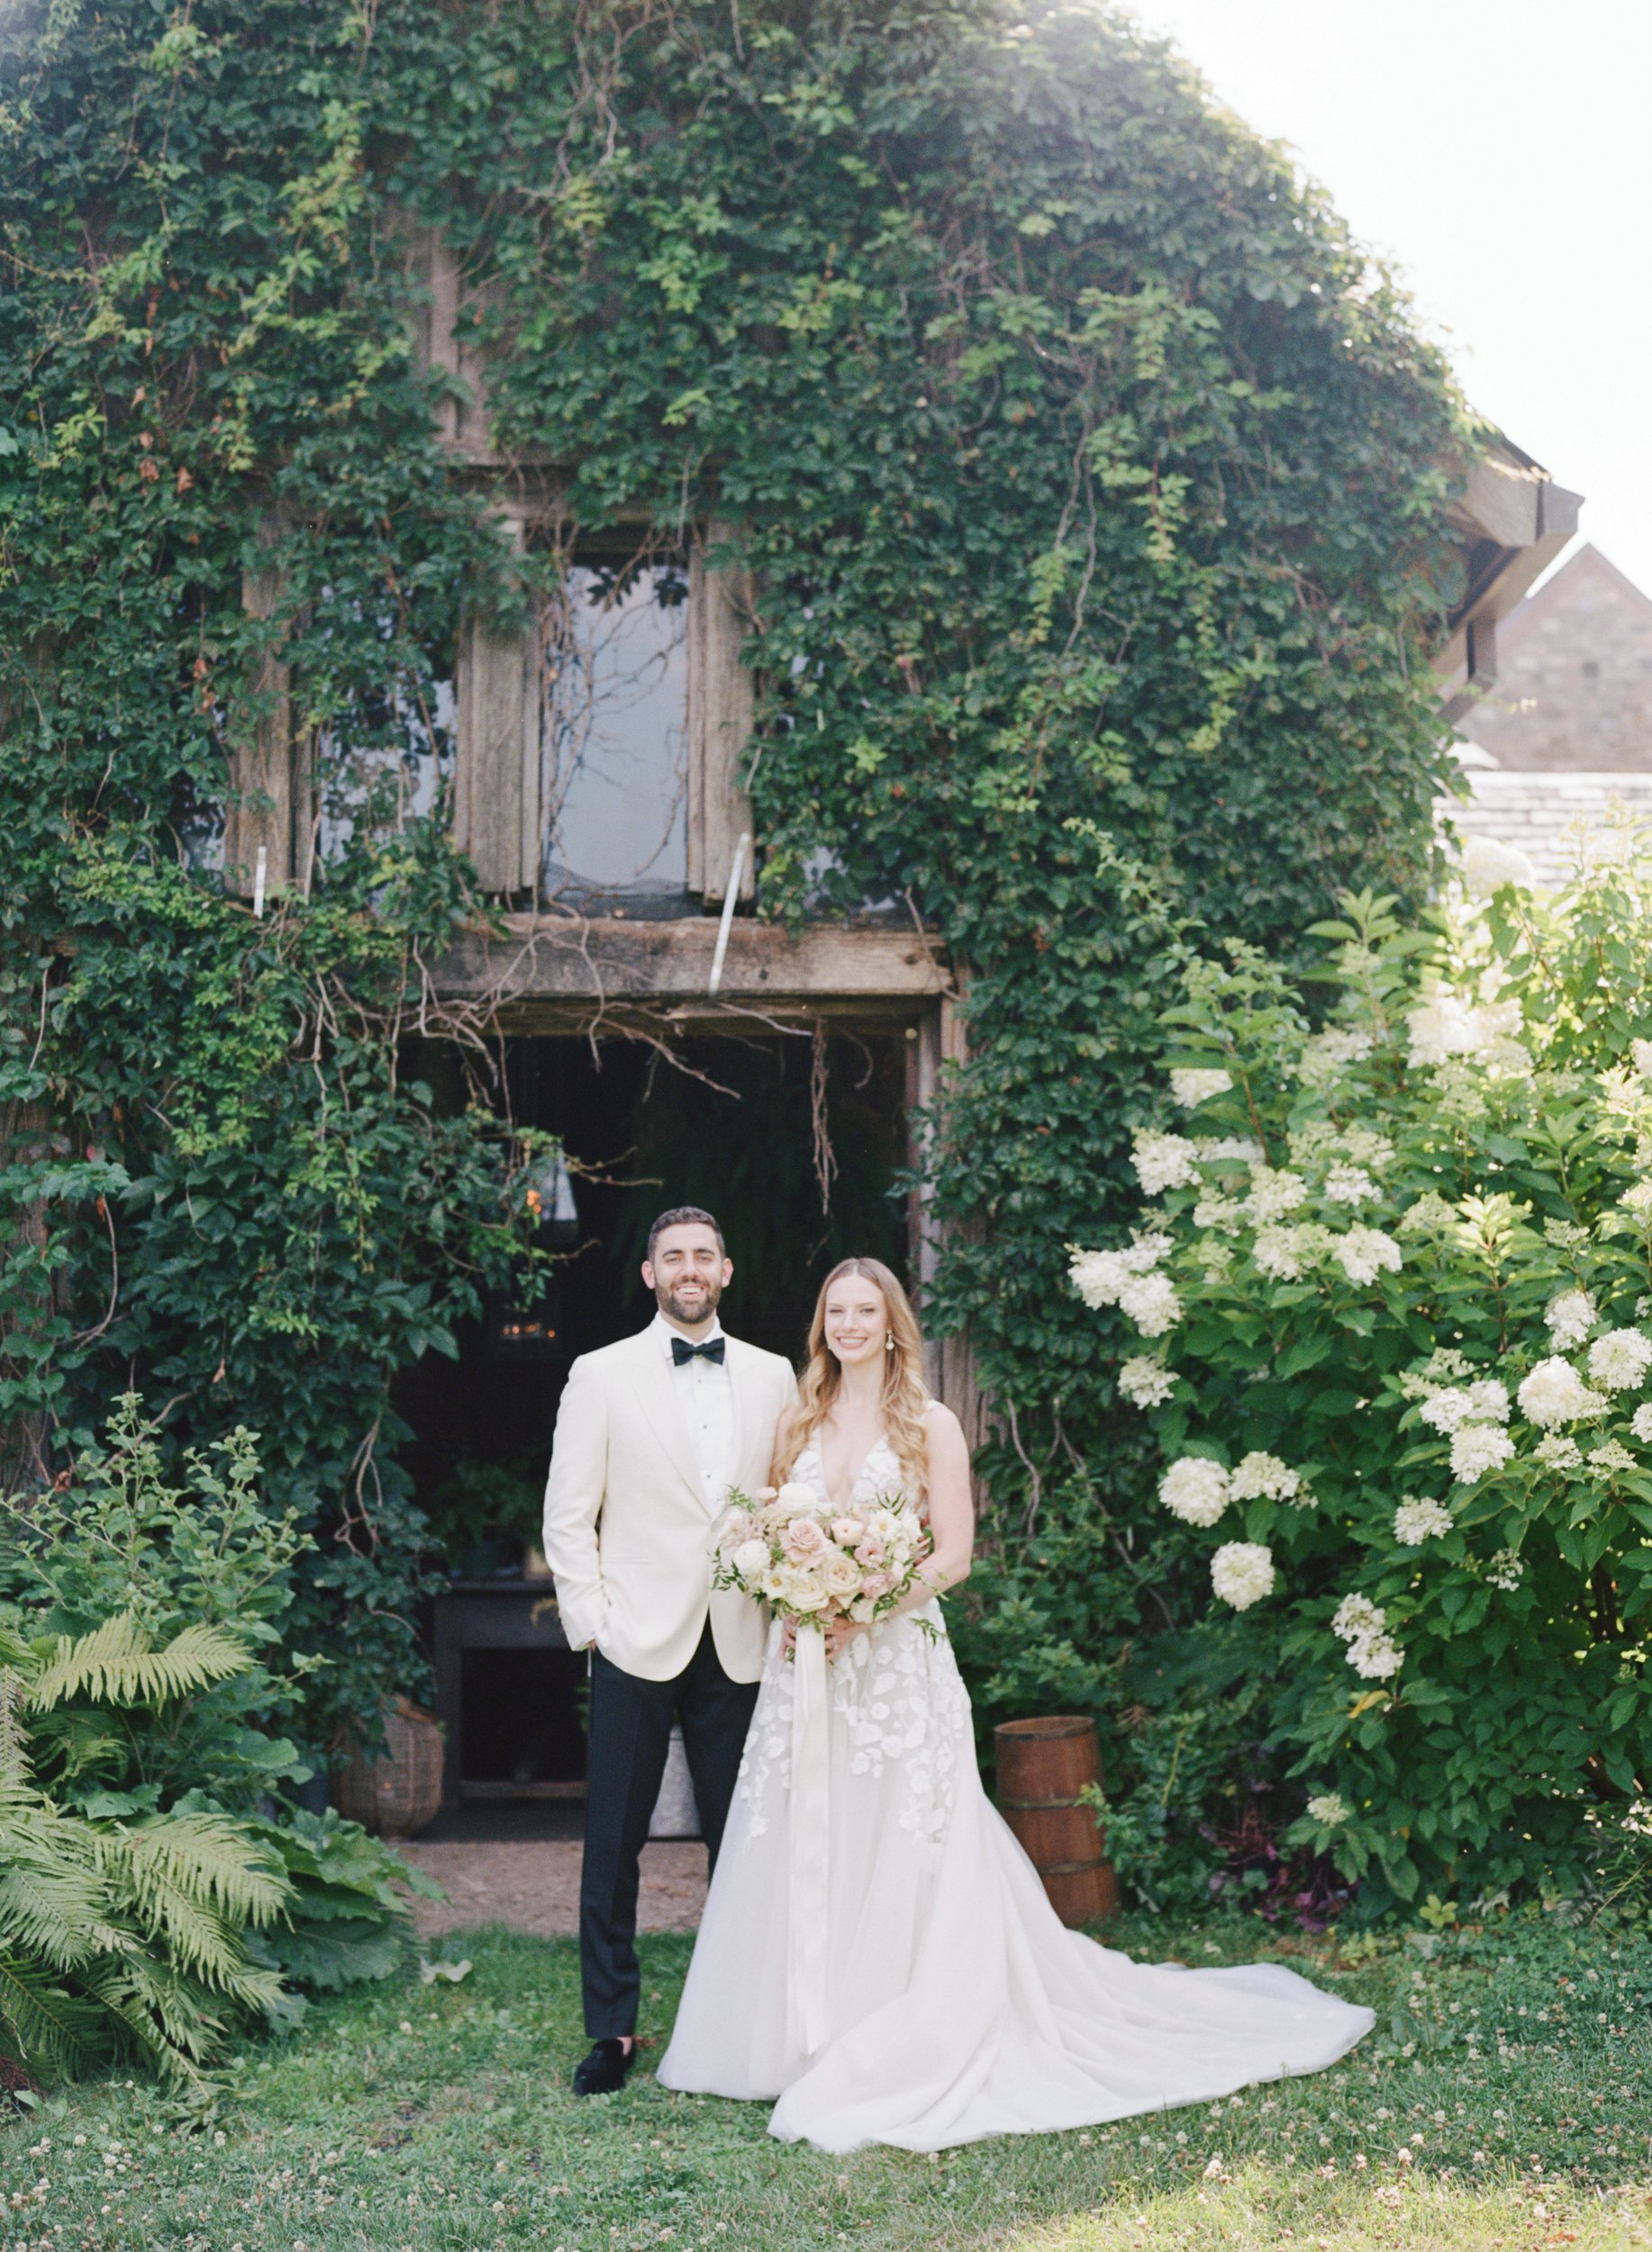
(1387, 1308)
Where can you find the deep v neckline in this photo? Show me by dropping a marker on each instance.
(853, 1484)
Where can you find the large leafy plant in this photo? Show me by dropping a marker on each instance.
(156, 1892)
(1392, 1298)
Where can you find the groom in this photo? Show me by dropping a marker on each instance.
(650, 1435)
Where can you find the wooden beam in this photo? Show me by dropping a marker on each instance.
(549, 972)
(497, 816)
(720, 702)
(268, 805)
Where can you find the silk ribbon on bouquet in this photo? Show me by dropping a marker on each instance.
(805, 1985)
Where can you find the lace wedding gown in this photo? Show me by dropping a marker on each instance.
(957, 2004)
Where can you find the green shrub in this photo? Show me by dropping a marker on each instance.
(1394, 1289)
(153, 1896)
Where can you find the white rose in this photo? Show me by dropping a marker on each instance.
(1242, 1573)
(796, 1499)
(1194, 1489)
(801, 1589)
(751, 1560)
(1620, 1360)
(842, 1575)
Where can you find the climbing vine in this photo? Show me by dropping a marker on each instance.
(1093, 485)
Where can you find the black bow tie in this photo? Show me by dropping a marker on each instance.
(682, 1351)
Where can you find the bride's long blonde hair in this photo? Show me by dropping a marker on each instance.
(904, 1397)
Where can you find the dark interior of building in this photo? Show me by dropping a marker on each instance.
(796, 1142)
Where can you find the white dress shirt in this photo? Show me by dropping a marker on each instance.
(706, 1398)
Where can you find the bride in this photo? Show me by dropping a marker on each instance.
(953, 2002)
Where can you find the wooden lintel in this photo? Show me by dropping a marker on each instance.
(551, 971)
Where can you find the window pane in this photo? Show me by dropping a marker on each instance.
(615, 729)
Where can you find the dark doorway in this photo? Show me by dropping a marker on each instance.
(794, 1142)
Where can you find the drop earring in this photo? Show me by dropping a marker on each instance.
(889, 1341)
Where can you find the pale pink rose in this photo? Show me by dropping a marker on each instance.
(847, 1530)
(803, 1541)
(875, 1584)
(737, 1527)
(869, 1552)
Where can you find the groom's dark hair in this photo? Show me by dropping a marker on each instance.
(682, 1215)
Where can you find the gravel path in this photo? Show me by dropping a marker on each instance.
(533, 1887)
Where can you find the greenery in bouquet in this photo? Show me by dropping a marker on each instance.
(1389, 1312)
(811, 1562)
(157, 1893)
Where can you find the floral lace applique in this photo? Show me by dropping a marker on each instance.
(896, 1694)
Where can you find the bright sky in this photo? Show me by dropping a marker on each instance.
(1499, 154)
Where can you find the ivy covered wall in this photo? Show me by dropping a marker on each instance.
(1094, 487)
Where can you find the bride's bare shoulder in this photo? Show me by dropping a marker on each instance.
(938, 1417)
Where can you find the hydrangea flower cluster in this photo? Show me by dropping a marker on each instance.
(1264, 1478)
(1130, 1280)
(1194, 1489)
(1146, 1382)
(1329, 1807)
(1188, 1089)
(1242, 1573)
(1415, 1521)
(1553, 1393)
(1363, 1626)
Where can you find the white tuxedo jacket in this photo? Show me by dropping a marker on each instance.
(627, 1523)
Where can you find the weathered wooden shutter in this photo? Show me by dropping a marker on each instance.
(269, 805)
(720, 704)
(497, 817)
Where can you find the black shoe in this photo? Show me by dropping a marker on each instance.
(604, 2069)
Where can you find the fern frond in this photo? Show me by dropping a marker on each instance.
(14, 1736)
(51, 1897)
(174, 2039)
(191, 1881)
(56, 2034)
(117, 1664)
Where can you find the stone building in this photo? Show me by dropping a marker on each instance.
(1573, 685)
(1558, 747)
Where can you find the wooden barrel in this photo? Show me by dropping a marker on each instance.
(1042, 1767)
(398, 1795)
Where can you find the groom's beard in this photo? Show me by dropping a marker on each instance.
(698, 1306)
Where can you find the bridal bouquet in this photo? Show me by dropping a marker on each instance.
(811, 1562)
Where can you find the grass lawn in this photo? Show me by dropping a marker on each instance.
(1504, 2102)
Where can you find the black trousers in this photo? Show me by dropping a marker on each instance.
(631, 1726)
